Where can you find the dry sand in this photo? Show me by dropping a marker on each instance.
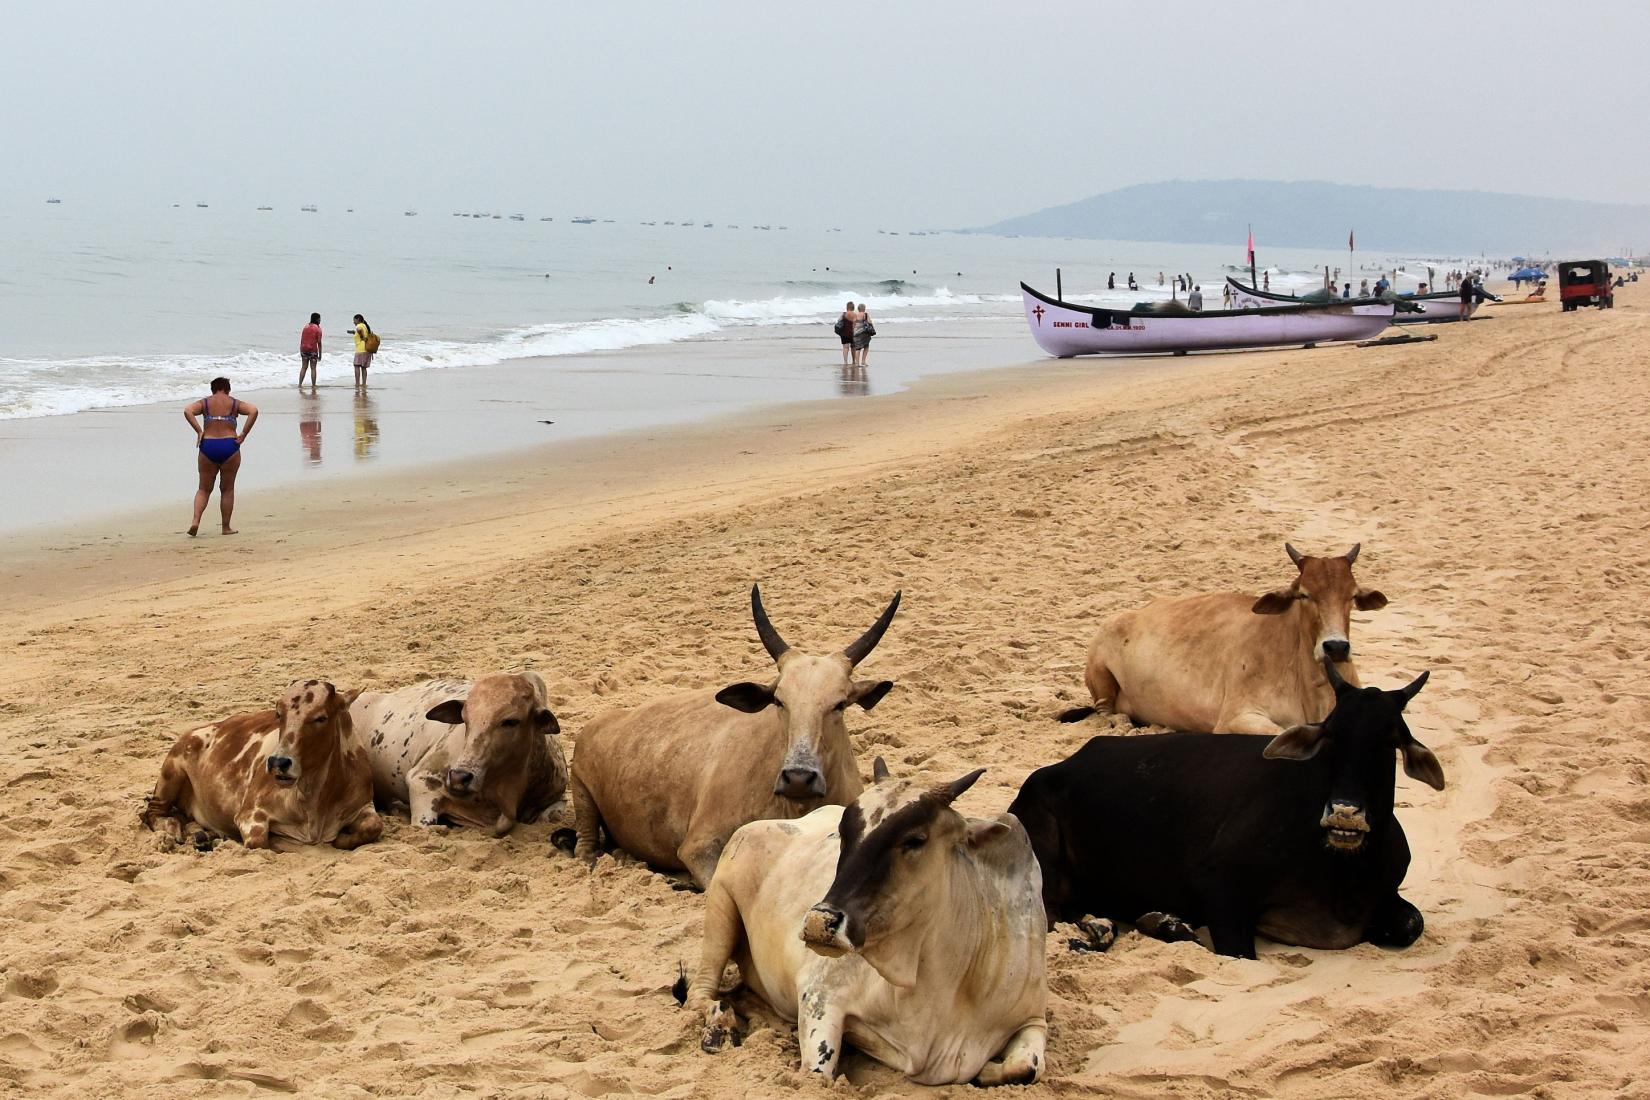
(1497, 479)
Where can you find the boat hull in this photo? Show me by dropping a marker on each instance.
(1430, 308)
(1063, 329)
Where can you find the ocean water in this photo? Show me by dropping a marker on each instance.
(108, 307)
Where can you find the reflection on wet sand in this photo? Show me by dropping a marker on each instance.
(855, 381)
(309, 428)
(366, 426)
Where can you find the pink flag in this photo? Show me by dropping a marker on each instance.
(1251, 246)
(1351, 242)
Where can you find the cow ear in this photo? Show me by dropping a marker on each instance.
(1274, 603)
(1419, 763)
(350, 696)
(879, 770)
(1367, 599)
(746, 696)
(546, 721)
(869, 695)
(450, 712)
(1295, 743)
(982, 831)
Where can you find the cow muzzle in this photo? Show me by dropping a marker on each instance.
(826, 931)
(799, 781)
(461, 781)
(283, 768)
(1345, 826)
(1337, 649)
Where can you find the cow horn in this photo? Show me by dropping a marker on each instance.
(1352, 554)
(1415, 685)
(861, 647)
(1335, 680)
(950, 792)
(771, 641)
(879, 770)
(1294, 555)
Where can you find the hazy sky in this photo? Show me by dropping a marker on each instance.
(922, 115)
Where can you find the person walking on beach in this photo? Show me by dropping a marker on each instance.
(366, 345)
(1194, 300)
(863, 331)
(219, 448)
(845, 332)
(1111, 281)
(1363, 289)
(1466, 298)
(309, 351)
(1266, 280)
(1132, 284)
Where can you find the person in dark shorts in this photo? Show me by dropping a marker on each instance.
(218, 444)
(845, 332)
(309, 351)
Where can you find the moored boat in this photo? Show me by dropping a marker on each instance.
(1064, 329)
(1431, 308)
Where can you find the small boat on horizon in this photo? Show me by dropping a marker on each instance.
(589, 221)
(264, 208)
(54, 202)
(518, 217)
(409, 213)
(547, 219)
(1064, 329)
(308, 208)
(200, 206)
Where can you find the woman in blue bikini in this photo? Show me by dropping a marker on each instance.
(219, 445)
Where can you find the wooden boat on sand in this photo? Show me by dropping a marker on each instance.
(1064, 329)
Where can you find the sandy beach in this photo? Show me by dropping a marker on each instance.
(1497, 479)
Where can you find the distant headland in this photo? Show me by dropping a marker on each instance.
(1320, 215)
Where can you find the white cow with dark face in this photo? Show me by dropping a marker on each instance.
(482, 753)
(895, 924)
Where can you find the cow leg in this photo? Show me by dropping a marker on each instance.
(1103, 687)
(699, 854)
(1248, 722)
(587, 822)
(1022, 1059)
(423, 800)
(366, 828)
(164, 808)
(253, 822)
(1098, 935)
(1395, 923)
(723, 931)
(1166, 927)
(1232, 930)
(818, 1032)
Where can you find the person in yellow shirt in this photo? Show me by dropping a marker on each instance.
(363, 357)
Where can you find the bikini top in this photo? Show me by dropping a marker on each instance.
(234, 410)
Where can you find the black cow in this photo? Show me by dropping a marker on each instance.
(1292, 836)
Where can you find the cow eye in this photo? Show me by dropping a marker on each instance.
(318, 719)
(914, 842)
(508, 722)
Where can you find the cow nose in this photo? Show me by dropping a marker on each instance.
(460, 779)
(278, 764)
(825, 930)
(1337, 649)
(800, 782)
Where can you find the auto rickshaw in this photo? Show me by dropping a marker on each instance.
(1585, 283)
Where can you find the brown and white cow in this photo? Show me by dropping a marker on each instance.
(897, 925)
(1231, 663)
(671, 780)
(482, 752)
(296, 774)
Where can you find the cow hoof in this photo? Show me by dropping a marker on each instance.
(1098, 935)
(679, 988)
(722, 1030)
(688, 887)
(565, 839)
(1166, 927)
(203, 840)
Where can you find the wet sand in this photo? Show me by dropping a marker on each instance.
(1497, 479)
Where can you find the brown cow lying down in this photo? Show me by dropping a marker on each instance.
(670, 781)
(1228, 662)
(481, 753)
(295, 774)
(896, 924)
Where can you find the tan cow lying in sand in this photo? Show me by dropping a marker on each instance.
(671, 780)
(926, 951)
(1231, 663)
(296, 773)
(482, 753)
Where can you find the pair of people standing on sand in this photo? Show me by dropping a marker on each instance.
(854, 329)
(309, 350)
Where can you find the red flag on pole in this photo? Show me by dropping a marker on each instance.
(1251, 246)
(1351, 242)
